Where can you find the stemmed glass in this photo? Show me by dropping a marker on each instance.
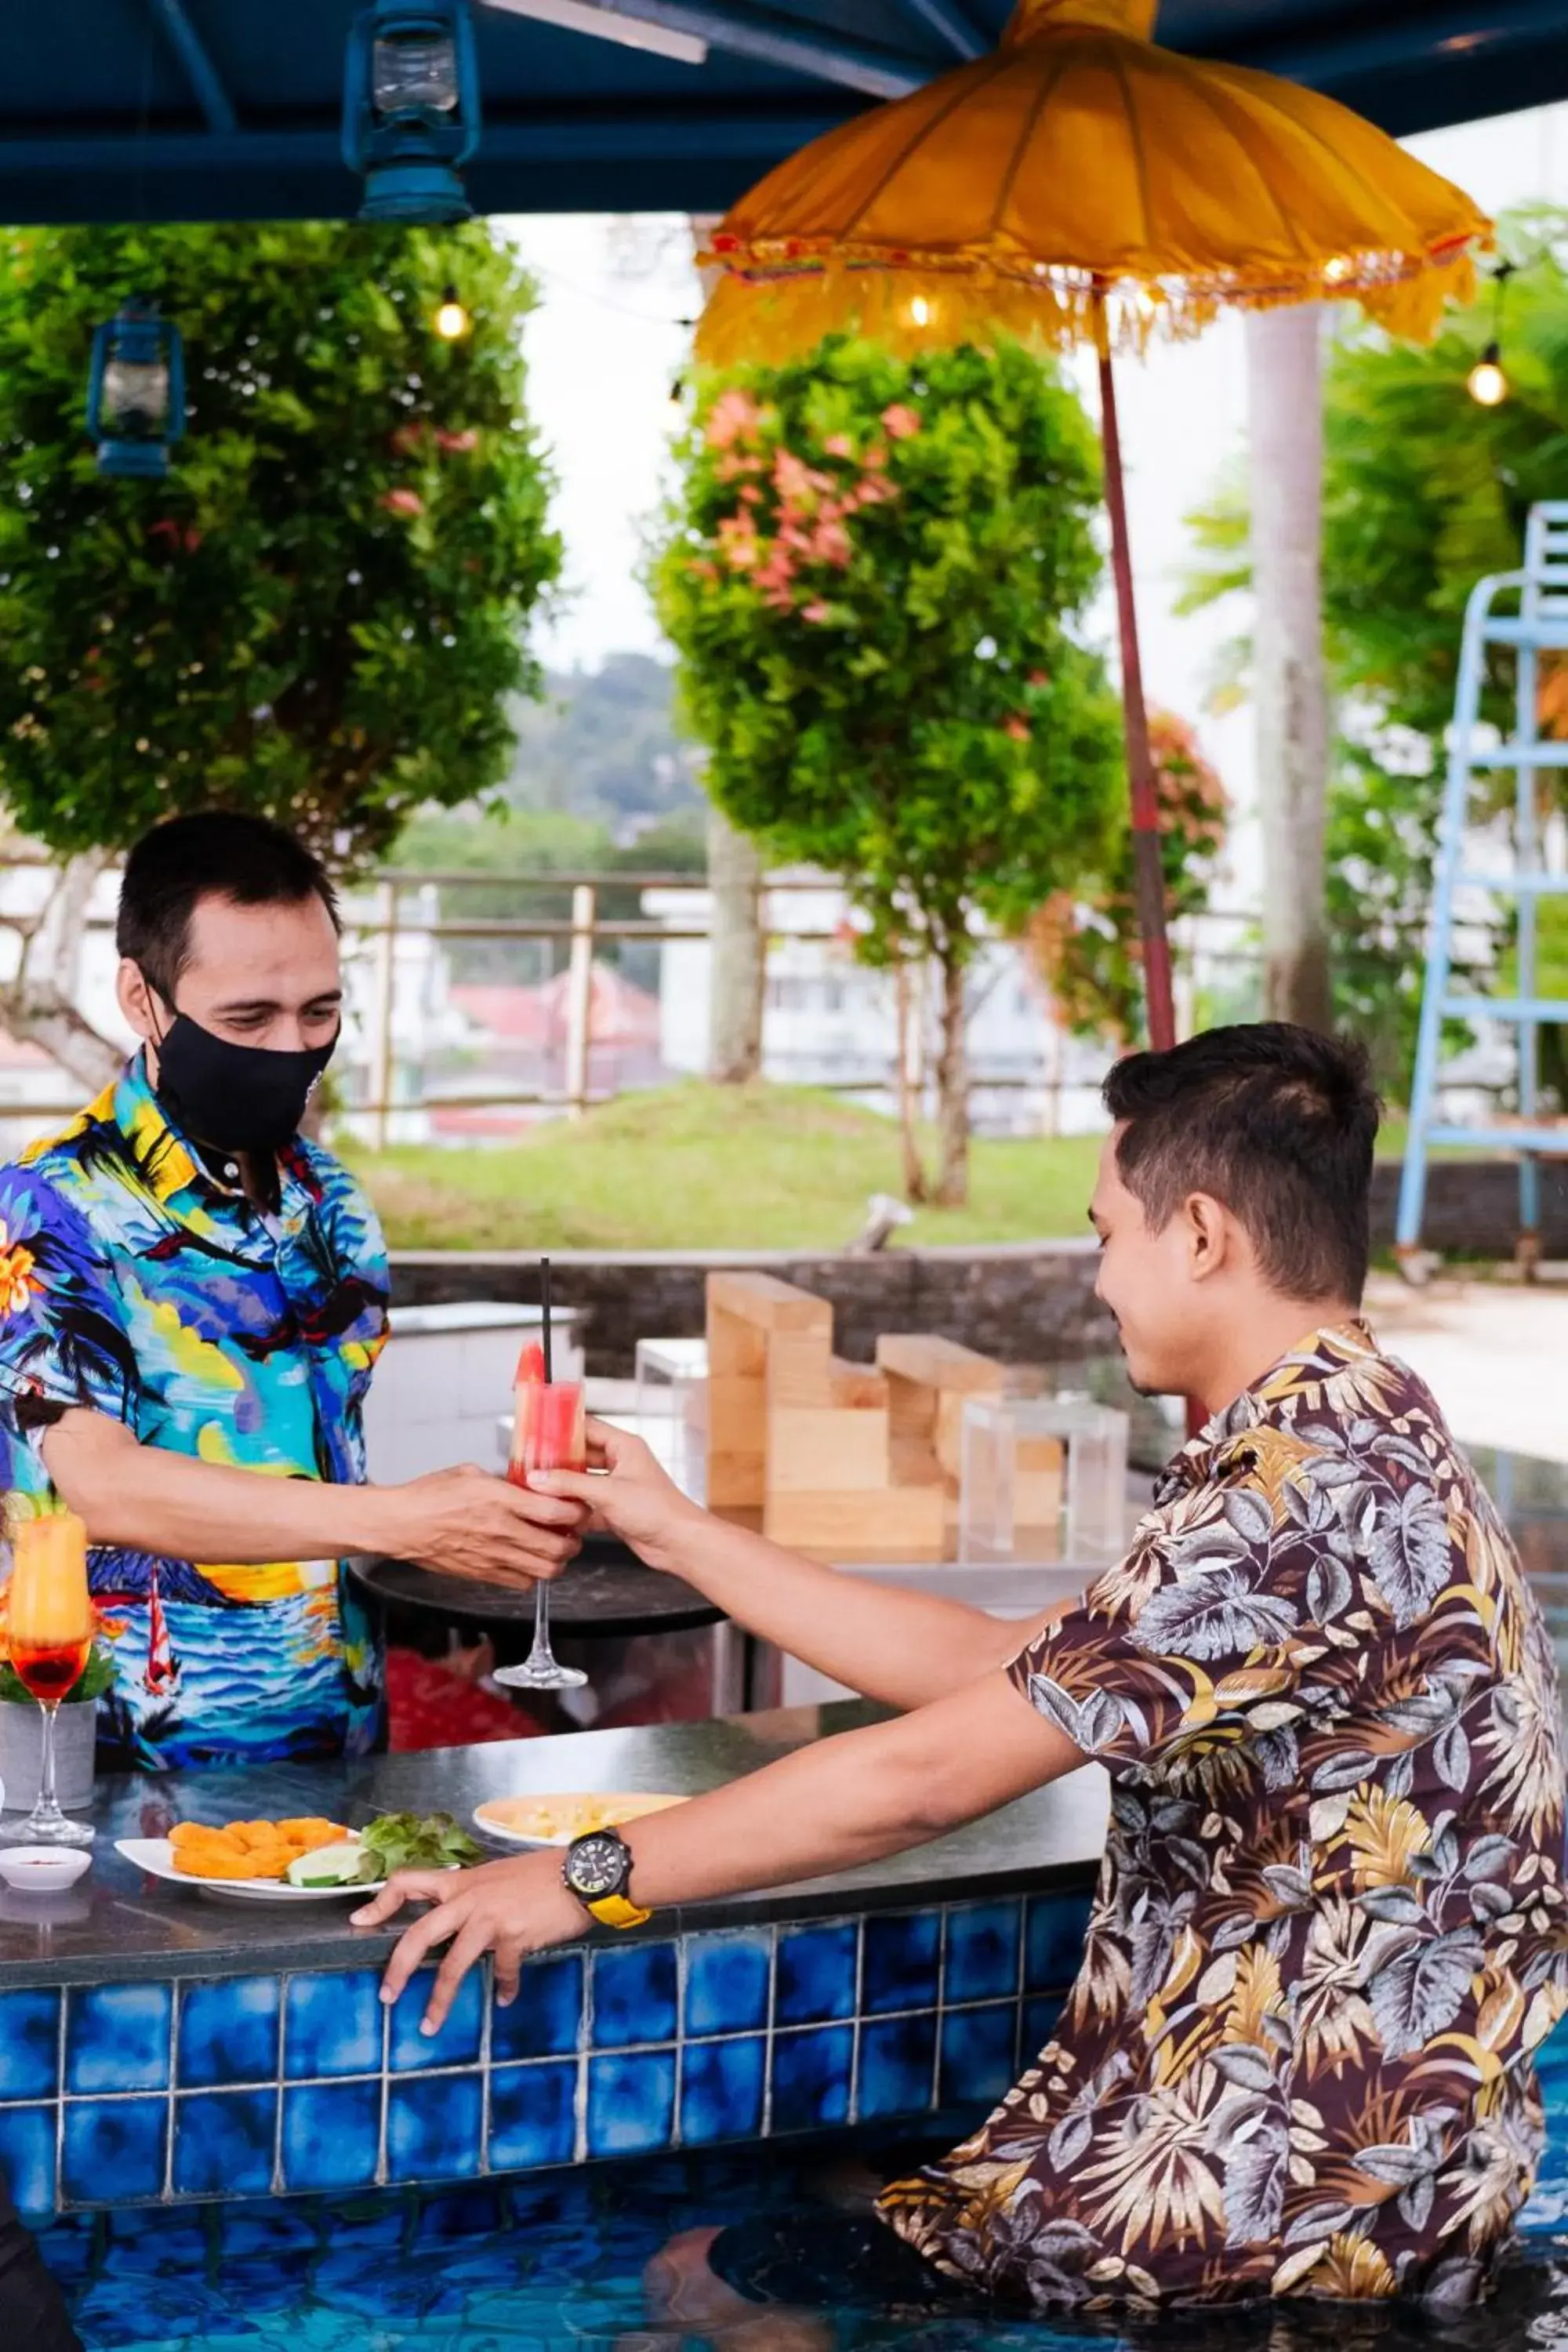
(548, 1433)
(49, 1634)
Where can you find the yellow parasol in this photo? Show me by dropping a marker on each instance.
(1082, 185)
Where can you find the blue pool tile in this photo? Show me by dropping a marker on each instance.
(1036, 2026)
(117, 2037)
(331, 2024)
(634, 1995)
(533, 2116)
(229, 2033)
(545, 2020)
(434, 2128)
(811, 2079)
(727, 1983)
(27, 2159)
(899, 1968)
(631, 2102)
(981, 1959)
(457, 2044)
(816, 1975)
(331, 2135)
(721, 2089)
(113, 2149)
(1053, 1942)
(977, 2053)
(30, 2044)
(898, 2061)
(223, 2143)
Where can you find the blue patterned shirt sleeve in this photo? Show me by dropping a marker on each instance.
(63, 1337)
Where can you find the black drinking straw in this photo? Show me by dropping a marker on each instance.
(544, 1301)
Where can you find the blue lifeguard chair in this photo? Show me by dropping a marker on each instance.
(1539, 625)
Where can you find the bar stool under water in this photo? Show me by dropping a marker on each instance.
(1539, 626)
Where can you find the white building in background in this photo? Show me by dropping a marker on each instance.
(830, 1021)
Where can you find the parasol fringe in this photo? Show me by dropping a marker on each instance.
(775, 303)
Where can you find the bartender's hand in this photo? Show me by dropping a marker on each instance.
(467, 1522)
(511, 1908)
(632, 1494)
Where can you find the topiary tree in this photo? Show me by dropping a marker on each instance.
(321, 613)
(1085, 945)
(872, 572)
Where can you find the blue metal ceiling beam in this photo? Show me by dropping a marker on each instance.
(200, 72)
(963, 37)
(788, 43)
(1448, 30)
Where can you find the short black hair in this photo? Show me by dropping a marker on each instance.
(216, 854)
(1276, 1122)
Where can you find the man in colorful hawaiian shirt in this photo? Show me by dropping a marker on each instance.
(191, 1298)
(1328, 1932)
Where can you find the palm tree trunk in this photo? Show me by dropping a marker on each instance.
(952, 1190)
(911, 1007)
(1285, 408)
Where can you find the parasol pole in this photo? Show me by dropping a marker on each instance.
(1149, 880)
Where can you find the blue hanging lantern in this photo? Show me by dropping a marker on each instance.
(136, 391)
(410, 109)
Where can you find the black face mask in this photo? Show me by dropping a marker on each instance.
(236, 1097)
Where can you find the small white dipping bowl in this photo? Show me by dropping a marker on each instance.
(42, 1869)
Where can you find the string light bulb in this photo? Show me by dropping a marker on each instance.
(920, 311)
(451, 322)
(1487, 383)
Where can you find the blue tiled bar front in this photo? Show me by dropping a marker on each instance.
(171, 2047)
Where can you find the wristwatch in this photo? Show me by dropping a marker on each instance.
(598, 1870)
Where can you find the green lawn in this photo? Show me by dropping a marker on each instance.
(699, 1166)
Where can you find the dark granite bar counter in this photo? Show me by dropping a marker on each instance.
(159, 2044)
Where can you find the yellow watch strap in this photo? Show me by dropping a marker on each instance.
(615, 1911)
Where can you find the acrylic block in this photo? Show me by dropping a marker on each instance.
(900, 1967)
(1042, 1478)
(408, 2050)
(672, 1407)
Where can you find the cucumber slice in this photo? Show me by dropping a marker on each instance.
(330, 1865)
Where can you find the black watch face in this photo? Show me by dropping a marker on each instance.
(596, 1865)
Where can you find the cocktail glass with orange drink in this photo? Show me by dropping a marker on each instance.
(49, 1636)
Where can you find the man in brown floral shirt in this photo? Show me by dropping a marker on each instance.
(1328, 1933)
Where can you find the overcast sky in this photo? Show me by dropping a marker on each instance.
(606, 345)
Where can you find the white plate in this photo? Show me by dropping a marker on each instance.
(156, 1857)
(516, 1820)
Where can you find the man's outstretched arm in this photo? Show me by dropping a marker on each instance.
(845, 1801)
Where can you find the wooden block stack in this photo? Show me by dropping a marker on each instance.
(838, 1457)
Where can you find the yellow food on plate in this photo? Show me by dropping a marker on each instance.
(247, 1849)
(553, 1819)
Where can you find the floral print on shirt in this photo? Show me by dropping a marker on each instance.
(134, 1284)
(1329, 1930)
